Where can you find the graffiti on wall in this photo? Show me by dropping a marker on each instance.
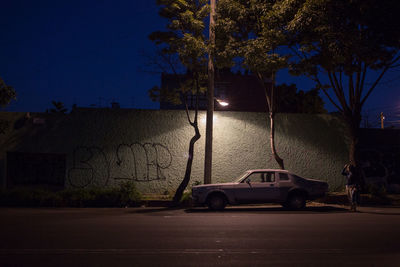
(92, 166)
(143, 162)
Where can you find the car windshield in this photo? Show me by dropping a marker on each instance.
(241, 177)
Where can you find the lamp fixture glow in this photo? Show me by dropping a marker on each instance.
(222, 103)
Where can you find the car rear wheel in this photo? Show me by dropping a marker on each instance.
(296, 202)
(216, 202)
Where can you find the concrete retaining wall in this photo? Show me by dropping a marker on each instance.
(104, 146)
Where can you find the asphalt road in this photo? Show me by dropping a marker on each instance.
(240, 236)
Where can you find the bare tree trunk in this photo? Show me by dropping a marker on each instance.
(186, 179)
(271, 101)
(194, 124)
(353, 123)
(278, 159)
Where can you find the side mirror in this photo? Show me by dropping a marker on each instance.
(248, 181)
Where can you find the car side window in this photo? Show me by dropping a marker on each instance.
(283, 177)
(255, 177)
(269, 177)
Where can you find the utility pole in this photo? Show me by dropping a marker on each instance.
(210, 98)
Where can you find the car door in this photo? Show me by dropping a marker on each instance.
(284, 184)
(258, 187)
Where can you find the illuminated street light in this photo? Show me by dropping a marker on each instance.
(382, 120)
(222, 102)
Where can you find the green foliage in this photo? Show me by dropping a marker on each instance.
(242, 35)
(340, 38)
(252, 43)
(197, 183)
(343, 40)
(185, 31)
(186, 199)
(124, 195)
(129, 195)
(184, 39)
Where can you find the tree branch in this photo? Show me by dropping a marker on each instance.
(339, 95)
(374, 85)
(267, 93)
(339, 85)
(316, 79)
(364, 74)
(357, 89)
(352, 99)
(187, 111)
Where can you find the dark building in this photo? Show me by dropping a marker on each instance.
(243, 92)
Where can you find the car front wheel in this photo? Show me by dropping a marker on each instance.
(296, 202)
(216, 202)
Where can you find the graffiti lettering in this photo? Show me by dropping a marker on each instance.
(144, 162)
(91, 166)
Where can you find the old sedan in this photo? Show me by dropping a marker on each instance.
(261, 186)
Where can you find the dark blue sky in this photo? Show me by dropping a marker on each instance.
(89, 52)
(77, 51)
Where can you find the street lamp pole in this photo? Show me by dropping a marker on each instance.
(210, 99)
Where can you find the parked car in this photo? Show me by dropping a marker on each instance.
(261, 186)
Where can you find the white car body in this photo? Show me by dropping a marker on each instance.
(261, 186)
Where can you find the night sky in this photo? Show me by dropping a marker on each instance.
(89, 52)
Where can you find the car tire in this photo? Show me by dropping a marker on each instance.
(216, 202)
(296, 202)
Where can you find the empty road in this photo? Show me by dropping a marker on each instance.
(238, 236)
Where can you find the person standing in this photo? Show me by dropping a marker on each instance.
(352, 185)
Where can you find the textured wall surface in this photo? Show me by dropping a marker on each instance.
(105, 146)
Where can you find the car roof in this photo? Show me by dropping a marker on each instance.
(268, 170)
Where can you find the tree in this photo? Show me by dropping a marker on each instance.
(241, 36)
(289, 100)
(352, 43)
(7, 93)
(58, 108)
(185, 40)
